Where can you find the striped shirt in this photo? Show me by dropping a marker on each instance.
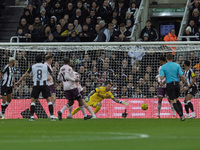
(8, 76)
(189, 74)
(40, 72)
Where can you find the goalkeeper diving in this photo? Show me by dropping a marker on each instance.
(99, 94)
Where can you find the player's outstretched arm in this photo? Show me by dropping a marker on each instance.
(121, 102)
(90, 94)
(24, 76)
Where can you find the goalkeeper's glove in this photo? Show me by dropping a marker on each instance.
(87, 98)
(124, 103)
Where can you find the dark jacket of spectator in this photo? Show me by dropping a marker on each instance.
(106, 13)
(57, 11)
(23, 25)
(29, 18)
(153, 35)
(39, 27)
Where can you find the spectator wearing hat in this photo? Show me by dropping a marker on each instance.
(73, 37)
(43, 17)
(29, 18)
(151, 31)
(129, 25)
(121, 11)
(122, 34)
(98, 19)
(188, 32)
(57, 10)
(133, 9)
(145, 37)
(104, 34)
(106, 12)
(52, 24)
(129, 17)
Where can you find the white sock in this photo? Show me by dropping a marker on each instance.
(64, 108)
(90, 110)
(193, 113)
(82, 108)
(70, 110)
(172, 107)
(159, 107)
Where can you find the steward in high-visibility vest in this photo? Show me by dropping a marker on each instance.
(171, 37)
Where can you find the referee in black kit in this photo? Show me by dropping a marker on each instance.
(171, 71)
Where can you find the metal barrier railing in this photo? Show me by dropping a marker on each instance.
(137, 21)
(184, 20)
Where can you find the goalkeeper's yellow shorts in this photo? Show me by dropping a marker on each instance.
(92, 103)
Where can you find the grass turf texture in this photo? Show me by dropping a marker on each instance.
(100, 134)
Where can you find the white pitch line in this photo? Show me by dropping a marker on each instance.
(83, 136)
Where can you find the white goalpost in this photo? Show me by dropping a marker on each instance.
(130, 66)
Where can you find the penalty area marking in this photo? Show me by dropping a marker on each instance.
(73, 136)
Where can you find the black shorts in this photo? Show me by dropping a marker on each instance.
(37, 89)
(173, 90)
(6, 90)
(192, 90)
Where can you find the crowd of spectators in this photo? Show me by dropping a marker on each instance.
(133, 74)
(77, 20)
(193, 27)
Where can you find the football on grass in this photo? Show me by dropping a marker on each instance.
(144, 106)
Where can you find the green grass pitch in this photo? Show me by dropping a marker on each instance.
(100, 134)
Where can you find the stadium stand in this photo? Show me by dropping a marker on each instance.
(80, 16)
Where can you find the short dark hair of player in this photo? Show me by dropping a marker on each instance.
(162, 58)
(38, 58)
(106, 83)
(187, 63)
(148, 21)
(47, 57)
(169, 56)
(66, 61)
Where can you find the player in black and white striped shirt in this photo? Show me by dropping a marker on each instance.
(40, 72)
(191, 89)
(8, 81)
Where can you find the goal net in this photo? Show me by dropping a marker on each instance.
(131, 68)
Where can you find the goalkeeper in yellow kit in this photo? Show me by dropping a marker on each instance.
(96, 96)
